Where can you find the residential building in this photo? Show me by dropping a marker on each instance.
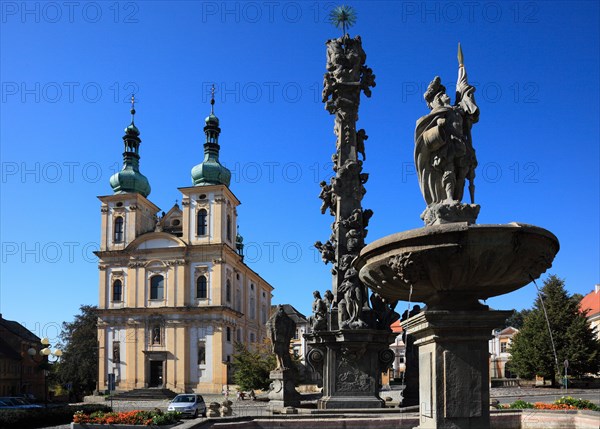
(19, 372)
(591, 305)
(499, 347)
(399, 349)
(174, 291)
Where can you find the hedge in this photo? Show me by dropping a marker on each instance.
(40, 417)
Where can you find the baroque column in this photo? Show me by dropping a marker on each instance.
(350, 341)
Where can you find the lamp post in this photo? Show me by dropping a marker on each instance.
(44, 354)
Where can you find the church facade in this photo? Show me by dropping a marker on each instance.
(174, 291)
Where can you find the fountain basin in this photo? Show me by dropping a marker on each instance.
(452, 266)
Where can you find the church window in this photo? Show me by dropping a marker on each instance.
(201, 353)
(157, 287)
(238, 299)
(201, 225)
(117, 291)
(201, 288)
(228, 227)
(118, 232)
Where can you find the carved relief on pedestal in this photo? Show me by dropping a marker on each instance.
(350, 375)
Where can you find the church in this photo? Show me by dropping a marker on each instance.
(174, 291)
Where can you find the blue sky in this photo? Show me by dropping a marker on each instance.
(67, 71)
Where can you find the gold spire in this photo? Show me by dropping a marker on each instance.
(460, 56)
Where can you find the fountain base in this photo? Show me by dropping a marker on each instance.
(454, 366)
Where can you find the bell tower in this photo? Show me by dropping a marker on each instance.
(209, 206)
(127, 213)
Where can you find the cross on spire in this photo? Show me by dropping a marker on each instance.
(212, 99)
(132, 107)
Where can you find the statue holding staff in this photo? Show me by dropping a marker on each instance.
(444, 153)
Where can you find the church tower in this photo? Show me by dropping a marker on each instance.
(127, 213)
(175, 293)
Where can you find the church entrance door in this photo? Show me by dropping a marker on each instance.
(156, 373)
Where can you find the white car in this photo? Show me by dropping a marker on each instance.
(188, 404)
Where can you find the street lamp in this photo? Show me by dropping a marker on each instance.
(45, 354)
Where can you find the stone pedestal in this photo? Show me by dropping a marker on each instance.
(454, 388)
(283, 392)
(410, 394)
(351, 363)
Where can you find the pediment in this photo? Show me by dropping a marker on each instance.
(155, 240)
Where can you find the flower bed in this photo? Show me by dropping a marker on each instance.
(135, 418)
(564, 403)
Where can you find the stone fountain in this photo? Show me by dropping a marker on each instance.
(452, 263)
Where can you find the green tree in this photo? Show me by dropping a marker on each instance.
(252, 366)
(79, 342)
(531, 349)
(517, 319)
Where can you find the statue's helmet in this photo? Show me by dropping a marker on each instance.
(435, 87)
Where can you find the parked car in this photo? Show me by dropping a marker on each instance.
(15, 402)
(188, 404)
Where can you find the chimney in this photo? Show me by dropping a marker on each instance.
(597, 288)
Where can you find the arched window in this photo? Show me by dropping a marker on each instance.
(229, 227)
(228, 291)
(201, 289)
(157, 287)
(238, 299)
(118, 231)
(201, 225)
(117, 291)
